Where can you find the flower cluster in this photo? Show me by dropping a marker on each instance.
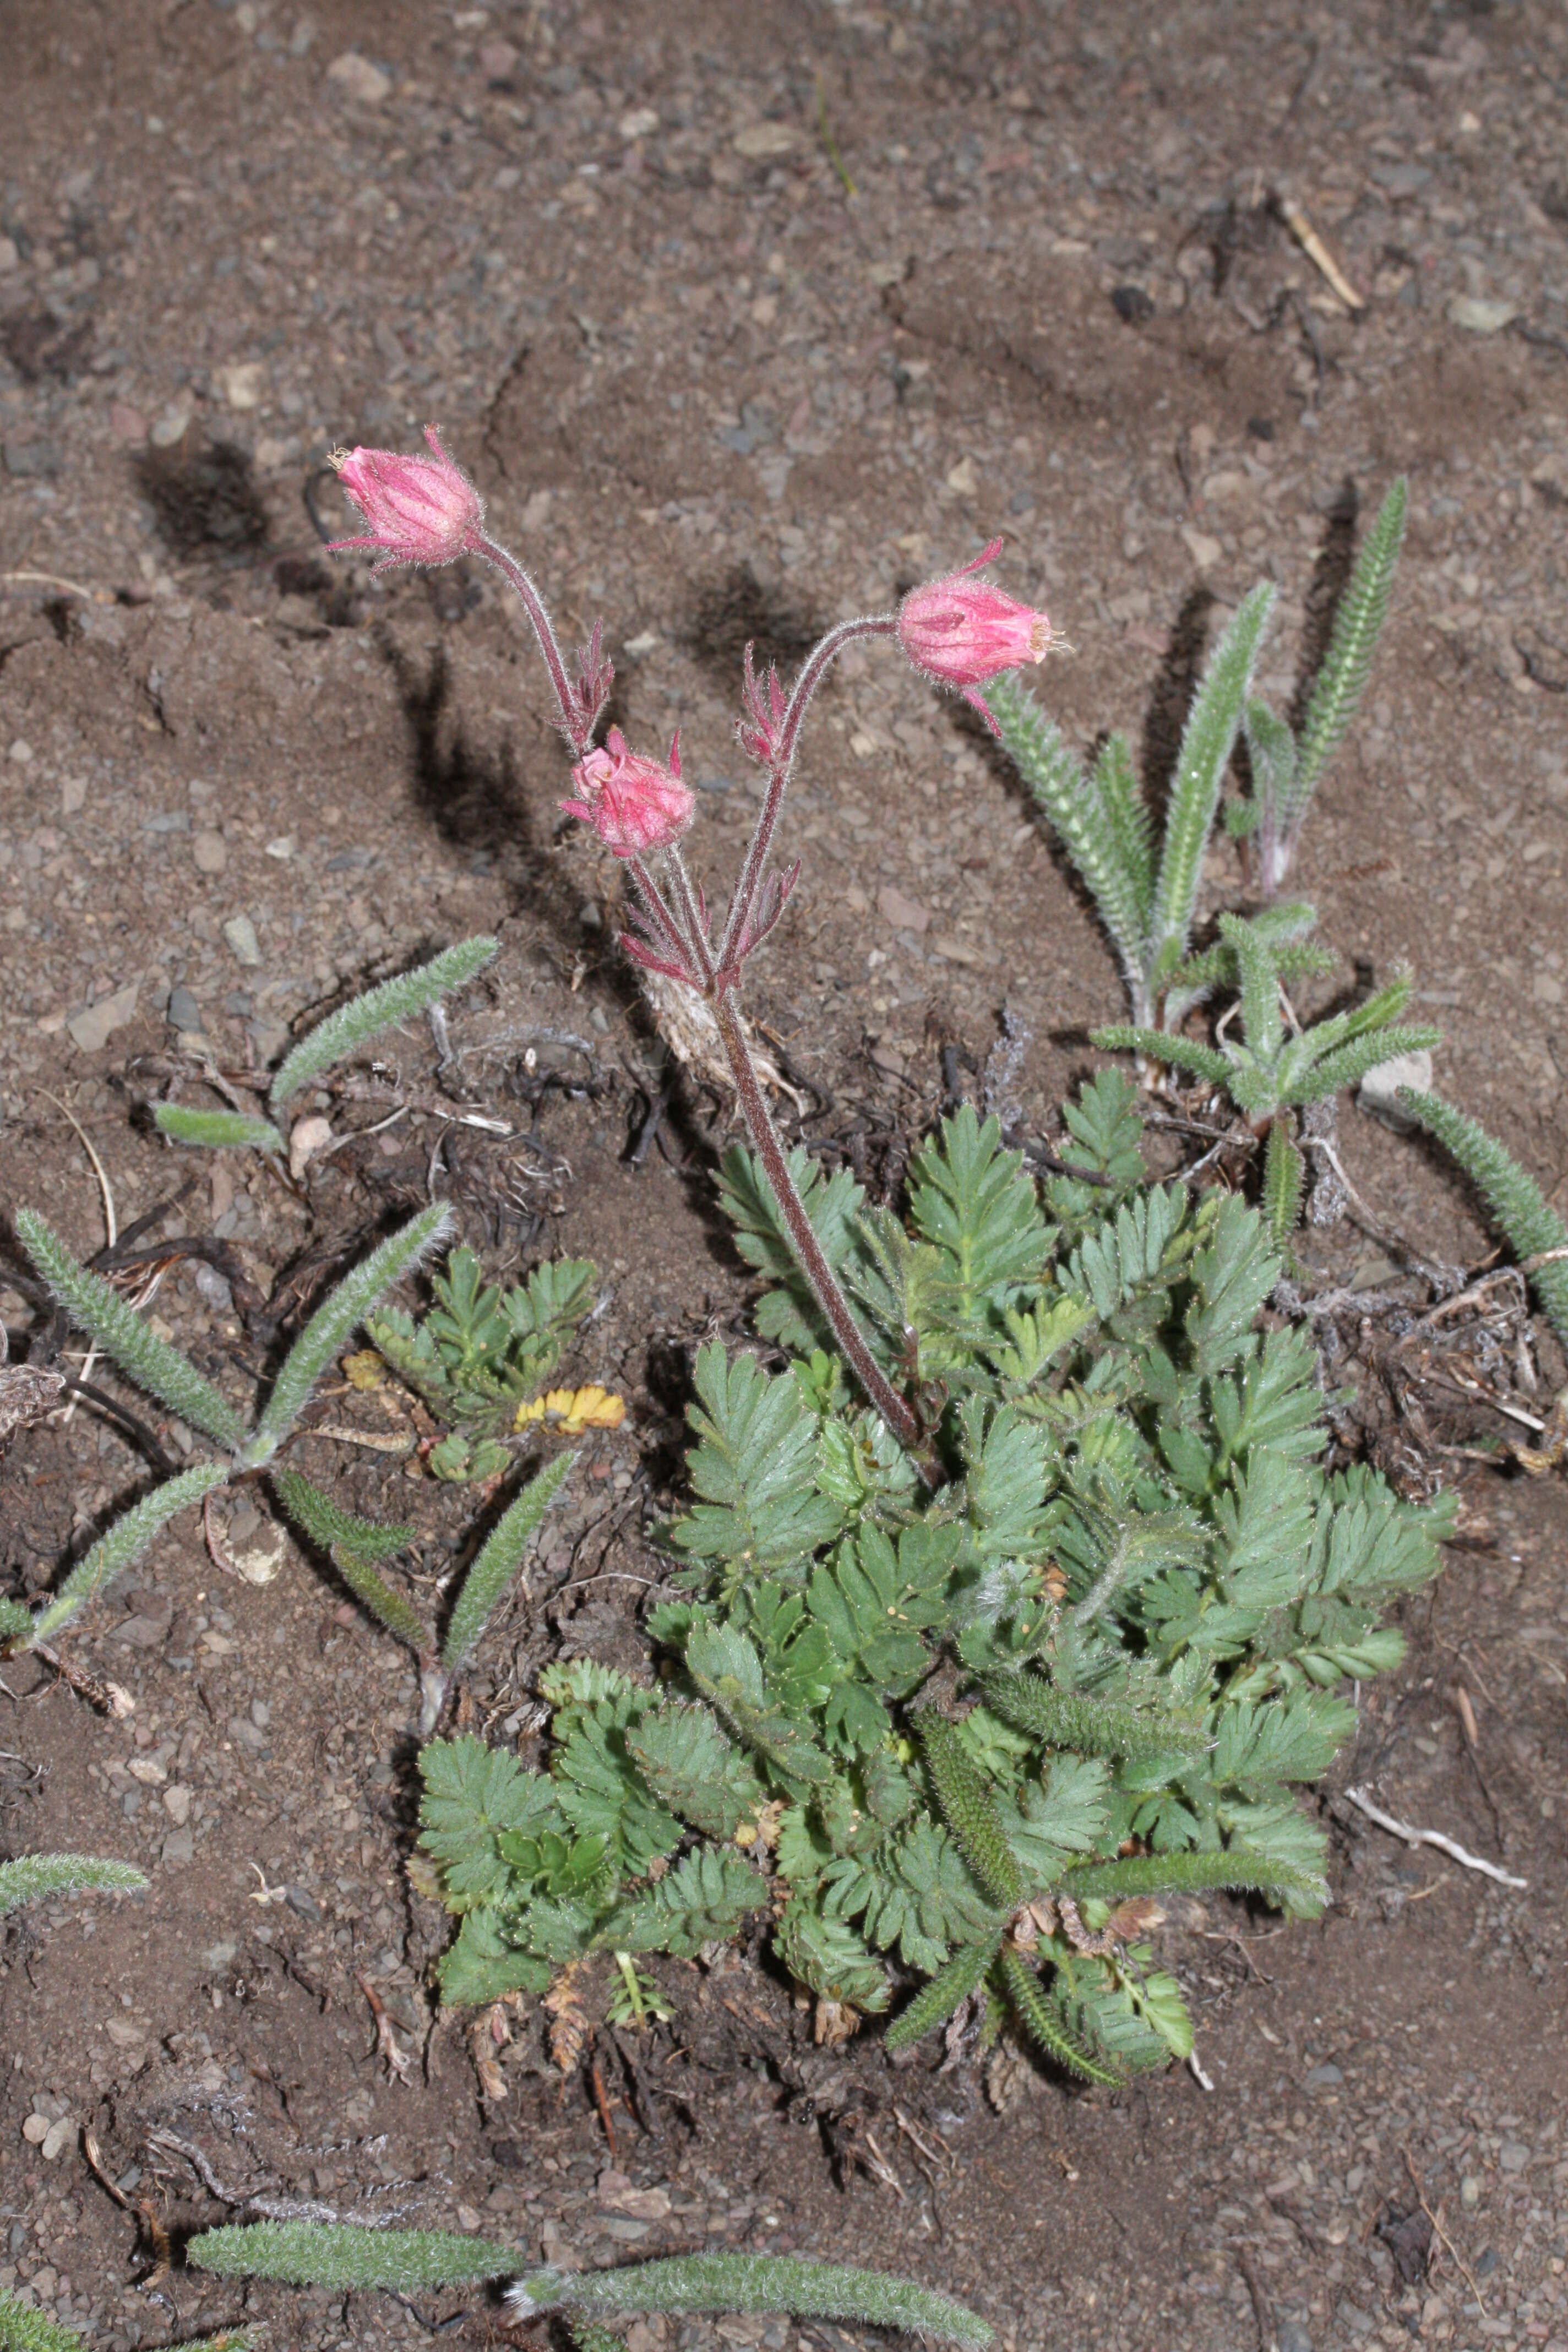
(634, 806)
(415, 510)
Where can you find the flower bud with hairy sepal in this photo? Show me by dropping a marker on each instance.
(634, 806)
(417, 510)
(960, 631)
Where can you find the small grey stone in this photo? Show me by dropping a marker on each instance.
(213, 1287)
(184, 1013)
(1513, 2155)
(219, 1956)
(179, 1847)
(210, 852)
(1293, 2337)
(305, 1903)
(32, 460)
(1470, 2189)
(1379, 1090)
(241, 933)
(1324, 2077)
(92, 1027)
(142, 1632)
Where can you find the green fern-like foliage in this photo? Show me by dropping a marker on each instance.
(35, 1877)
(1144, 1588)
(1514, 1199)
(480, 1352)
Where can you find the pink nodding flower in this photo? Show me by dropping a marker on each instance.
(961, 631)
(634, 805)
(417, 510)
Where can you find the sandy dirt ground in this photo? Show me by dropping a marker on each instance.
(744, 319)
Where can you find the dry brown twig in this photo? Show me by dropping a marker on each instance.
(1441, 2233)
(399, 2065)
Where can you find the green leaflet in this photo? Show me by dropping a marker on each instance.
(702, 1900)
(474, 1794)
(124, 1543)
(498, 1561)
(753, 1470)
(756, 2283)
(689, 1764)
(216, 1130)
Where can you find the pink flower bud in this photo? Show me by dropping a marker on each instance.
(962, 631)
(633, 804)
(417, 510)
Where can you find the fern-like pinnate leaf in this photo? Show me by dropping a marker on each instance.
(37, 1877)
(1341, 681)
(216, 1130)
(474, 1797)
(124, 1543)
(500, 1561)
(1103, 840)
(334, 1323)
(378, 1010)
(701, 1901)
(344, 2254)
(785, 2283)
(753, 1469)
(1513, 1198)
(1207, 742)
(100, 1311)
(694, 1768)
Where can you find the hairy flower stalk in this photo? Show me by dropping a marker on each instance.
(958, 632)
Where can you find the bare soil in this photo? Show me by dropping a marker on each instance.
(711, 394)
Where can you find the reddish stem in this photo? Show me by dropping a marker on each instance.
(573, 724)
(809, 1254)
(883, 624)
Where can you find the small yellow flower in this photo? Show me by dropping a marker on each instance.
(572, 1411)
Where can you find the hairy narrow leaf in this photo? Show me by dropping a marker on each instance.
(1093, 1725)
(1184, 1053)
(351, 1544)
(122, 1546)
(1358, 623)
(1284, 1180)
(1514, 1197)
(500, 1561)
(386, 1007)
(1155, 1873)
(216, 1130)
(755, 2283)
(969, 1812)
(33, 1877)
(119, 1331)
(1106, 852)
(947, 1991)
(1207, 742)
(346, 2254)
(334, 1322)
(1041, 2023)
(25, 2328)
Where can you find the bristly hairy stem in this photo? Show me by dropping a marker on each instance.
(781, 757)
(122, 1546)
(32, 1876)
(1513, 1197)
(809, 1254)
(576, 729)
(755, 2283)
